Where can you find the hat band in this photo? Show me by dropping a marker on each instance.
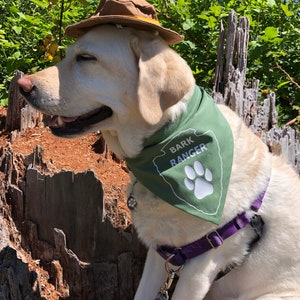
(149, 20)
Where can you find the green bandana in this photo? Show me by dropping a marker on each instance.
(188, 162)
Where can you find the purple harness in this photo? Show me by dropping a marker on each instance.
(178, 256)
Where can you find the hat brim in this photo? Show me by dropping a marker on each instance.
(78, 29)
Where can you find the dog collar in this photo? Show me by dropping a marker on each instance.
(177, 256)
(188, 162)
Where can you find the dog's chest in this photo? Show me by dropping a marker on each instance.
(159, 223)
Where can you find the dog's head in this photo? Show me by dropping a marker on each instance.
(117, 80)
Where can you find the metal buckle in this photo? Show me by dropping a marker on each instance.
(169, 269)
(210, 241)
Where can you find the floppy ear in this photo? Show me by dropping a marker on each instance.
(164, 77)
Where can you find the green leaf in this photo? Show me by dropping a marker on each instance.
(7, 44)
(16, 55)
(282, 84)
(33, 20)
(241, 8)
(21, 15)
(271, 32)
(43, 4)
(190, 44)
(13, 9)
(187, 24)
(212, 22)
(277, 54)
(286, 10)
(203, 16)
(181, 3)
(277, 40)
(84, 2)
(216, 10)
(271, 3)
(17, 29)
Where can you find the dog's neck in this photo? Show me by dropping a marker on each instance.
(189, 160)
(124, 147)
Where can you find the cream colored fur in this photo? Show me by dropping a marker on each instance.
(146, 84)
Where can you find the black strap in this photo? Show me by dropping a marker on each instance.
(257, 223)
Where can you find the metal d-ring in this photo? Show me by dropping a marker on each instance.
(168, 267)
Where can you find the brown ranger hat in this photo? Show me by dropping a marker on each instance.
(138, 14)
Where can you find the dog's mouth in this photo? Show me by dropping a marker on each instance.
(70, 126)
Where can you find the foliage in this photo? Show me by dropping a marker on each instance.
(32, 37)
(274, 48)
(31, 34)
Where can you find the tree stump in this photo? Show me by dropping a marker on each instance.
(59, 217)
(232, 88)
(20, 115)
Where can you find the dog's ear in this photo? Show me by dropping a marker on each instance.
(164, 77)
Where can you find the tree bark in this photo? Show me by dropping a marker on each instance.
(20, 115)
(232, 88)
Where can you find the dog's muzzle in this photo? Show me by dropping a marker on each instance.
(61, 125)
(68, 126)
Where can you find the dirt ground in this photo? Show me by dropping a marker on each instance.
(79, 155)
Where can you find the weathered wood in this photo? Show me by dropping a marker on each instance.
(15, 103)
(17, 282)
(232, 88)
(20, 115)
(30, 118)
(232, 63)
(59, 217)
(8, 165)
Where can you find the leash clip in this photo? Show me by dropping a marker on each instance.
(163, 293)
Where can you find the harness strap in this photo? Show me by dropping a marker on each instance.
(178, 256)
(257, 223)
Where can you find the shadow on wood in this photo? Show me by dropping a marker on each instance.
(60, 219)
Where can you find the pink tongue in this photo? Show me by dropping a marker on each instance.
(68, 119)
(57, 121)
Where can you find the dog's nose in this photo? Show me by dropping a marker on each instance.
(26, 84)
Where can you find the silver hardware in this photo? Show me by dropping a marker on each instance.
(209, 240)
(131, 201)
(163, 293)
(170, 270)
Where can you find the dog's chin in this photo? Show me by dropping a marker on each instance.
(75, 126)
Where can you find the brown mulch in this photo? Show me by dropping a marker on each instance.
(78, 155)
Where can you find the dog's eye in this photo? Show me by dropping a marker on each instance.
(85, 57)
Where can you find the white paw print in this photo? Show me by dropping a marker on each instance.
(198, 179)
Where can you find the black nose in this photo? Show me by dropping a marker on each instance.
(26, 84)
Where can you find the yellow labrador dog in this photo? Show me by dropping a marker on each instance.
(129, 84)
